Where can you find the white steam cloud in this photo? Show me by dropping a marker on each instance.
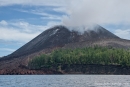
(86, 12)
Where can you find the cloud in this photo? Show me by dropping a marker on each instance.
(27, 28)
(60, 9)
(46, 15)
(33, 2)
(125, 33)
(7, 49)
(44, 12)
(52, 18)
(22, 31)
(83, 12)
(15, 35)
(3, 23)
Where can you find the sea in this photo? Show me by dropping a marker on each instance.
(64, 81)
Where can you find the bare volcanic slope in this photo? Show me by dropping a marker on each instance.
(59, 36)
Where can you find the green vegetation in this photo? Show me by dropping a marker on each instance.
(89, 55)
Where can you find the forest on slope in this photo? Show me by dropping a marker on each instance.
(82, 56)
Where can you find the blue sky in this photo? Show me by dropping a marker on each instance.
(22, 20)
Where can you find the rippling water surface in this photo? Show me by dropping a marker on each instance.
(64, 81)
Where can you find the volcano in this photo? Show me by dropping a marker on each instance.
(61, 37)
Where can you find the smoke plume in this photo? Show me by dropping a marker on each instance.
(102, 12)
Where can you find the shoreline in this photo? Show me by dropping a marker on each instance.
(72, 70)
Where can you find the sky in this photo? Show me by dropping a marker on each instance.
(22, 20)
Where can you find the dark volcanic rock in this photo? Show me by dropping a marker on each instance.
(95, 69)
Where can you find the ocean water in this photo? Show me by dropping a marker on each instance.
(64, 81)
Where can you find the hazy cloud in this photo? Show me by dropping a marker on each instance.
(22, 31)
(43, 13)
(83, 12)
(125, 34)
(15, 35)
(3, 23)
(33, 2)
(7, 49)
(60, 9)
